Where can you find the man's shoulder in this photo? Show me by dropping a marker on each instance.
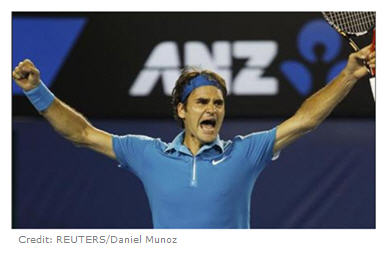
(140, 139)
(241, 139)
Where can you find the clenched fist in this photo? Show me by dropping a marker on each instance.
(26, 75)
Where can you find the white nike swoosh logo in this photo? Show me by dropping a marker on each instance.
(214, 162)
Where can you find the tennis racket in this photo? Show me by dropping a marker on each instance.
(352, 24)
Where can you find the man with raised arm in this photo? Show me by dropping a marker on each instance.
(198, 180)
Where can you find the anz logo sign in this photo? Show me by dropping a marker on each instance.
(49, 50)
(164, 62)
(314, 33)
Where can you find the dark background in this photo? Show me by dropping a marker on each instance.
(324, 180)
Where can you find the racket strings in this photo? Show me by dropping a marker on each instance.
(351, 22)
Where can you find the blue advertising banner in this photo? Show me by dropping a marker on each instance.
(126, 64)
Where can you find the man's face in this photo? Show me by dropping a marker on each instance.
(203, 115)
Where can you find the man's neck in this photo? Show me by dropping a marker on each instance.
(192, 144)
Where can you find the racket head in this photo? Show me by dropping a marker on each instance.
(352, 23)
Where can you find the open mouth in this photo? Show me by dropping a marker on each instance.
(208, 125)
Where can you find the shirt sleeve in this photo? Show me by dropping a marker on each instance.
(259, 147)
(131, 151)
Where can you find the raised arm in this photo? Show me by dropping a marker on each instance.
(65, 120)
(318, 106)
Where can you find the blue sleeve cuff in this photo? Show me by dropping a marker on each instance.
(118, 151)
(40, 97)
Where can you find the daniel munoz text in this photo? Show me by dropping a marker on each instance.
(112, 239)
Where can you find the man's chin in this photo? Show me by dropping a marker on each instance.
(207, 135)
(208, 138)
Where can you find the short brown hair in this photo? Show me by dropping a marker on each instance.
(188, 73)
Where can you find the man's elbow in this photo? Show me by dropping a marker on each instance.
(312, 125)
(80, 138)
(307, 124)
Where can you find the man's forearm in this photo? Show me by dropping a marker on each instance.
(319, 105)
(67, 121)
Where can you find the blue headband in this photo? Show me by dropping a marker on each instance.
(200, 80)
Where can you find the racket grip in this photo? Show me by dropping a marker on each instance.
(372, 48)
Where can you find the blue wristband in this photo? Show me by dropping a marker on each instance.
(40, 96)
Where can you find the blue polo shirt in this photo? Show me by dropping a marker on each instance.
(209, 190)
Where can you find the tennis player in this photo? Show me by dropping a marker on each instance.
(198, 180)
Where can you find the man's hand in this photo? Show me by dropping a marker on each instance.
(356, 65)
(26, 75)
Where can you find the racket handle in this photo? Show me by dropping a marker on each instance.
(372, 85)
(372, 48)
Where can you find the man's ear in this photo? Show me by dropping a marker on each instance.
(181, 112)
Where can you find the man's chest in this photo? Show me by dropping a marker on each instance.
(205, 178)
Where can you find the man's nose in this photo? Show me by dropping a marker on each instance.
(211, 108)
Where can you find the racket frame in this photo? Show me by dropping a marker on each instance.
(355, 47)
